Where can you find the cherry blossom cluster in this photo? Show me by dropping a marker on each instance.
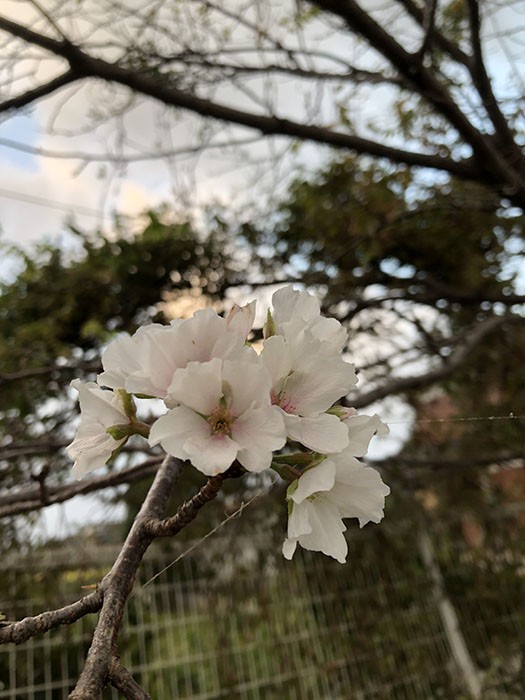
(276, 408)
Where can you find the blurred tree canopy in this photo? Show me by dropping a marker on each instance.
(427, 280)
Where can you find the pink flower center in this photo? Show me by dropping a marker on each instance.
(284, 402)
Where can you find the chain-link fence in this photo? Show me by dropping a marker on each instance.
(416, 614)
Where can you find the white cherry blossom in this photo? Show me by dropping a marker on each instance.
(293, 310)
(305, 384)
(224, 413)
(145, 362)
(340, 487)
(227, 403)
(100, 409)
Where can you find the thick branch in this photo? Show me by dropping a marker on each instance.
(118, 583)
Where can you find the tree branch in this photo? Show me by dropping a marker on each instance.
(187, 512)
(117, 585)
(18, 632)
(121, 679)
(420, 16)
(429, 28)
(400, 385)
(31, 372)
(30, 499)
(30, 96)
(481, 80)
(486, 153)
(84, 65)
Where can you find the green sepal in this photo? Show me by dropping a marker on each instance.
(340, 411)
(125, 430)
(121, 431)
(290, 491)
(116, 451)
(284, 471)
(127, 404)
(269, 326)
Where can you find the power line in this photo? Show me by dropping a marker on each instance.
(50, 203)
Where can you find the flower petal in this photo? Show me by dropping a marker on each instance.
(359, 491)
(327, 530)
(199, 386)
(245, 384)
(211, 453)
(361, 429)
(258, 432)
(240, 318)
(324, 433)
(92, 445)
(276, 359)
(315, 480)
(173, 429)
(317, 382)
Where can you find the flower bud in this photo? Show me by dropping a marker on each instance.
(342, 412)
(240, 318)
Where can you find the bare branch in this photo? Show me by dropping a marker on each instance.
(49, 19)
(483, 85)
(85, 66)
(426, 84)
(30, 500)
(120, 678)
(31, 372)
(117, 585)
(428, 27)
(439, 464)
(453, 50)
(187, 512)
(400, 385)
(43, 90)
(18, 632)
(121, 158)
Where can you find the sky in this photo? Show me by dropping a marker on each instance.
(91, 192)
(38, 194)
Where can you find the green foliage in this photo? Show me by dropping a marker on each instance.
(58, 304)
(61, 309)
(353, 227)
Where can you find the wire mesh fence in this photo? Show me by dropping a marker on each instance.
(232, 619)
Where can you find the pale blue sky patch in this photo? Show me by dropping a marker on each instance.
(21, 128)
